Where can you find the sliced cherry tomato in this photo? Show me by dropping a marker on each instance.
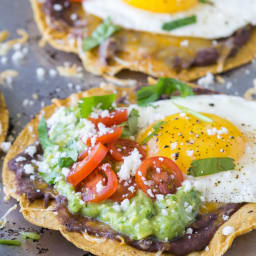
(83, 155)
(125, 190)
(123, 147)
(108, 137)
(82, 169)
(115, 117)
(100, 185)
(158, 175)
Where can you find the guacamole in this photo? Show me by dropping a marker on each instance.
(165, 218)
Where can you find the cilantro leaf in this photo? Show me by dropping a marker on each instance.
(65, 162)
(87, 104)
(209, 166)
(43, 134)
(156, 129)
(168, 26)
(69, 155)
(100, 34)
(130, 127)
(168, 86)
(194, 113)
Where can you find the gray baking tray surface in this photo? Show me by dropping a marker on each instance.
(24, 99)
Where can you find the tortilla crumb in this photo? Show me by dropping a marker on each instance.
(70, 71)
(251, 92)
(7, 76)
(5, 47)
(3, 219)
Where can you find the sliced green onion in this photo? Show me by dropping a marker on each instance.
(194, 113)
(156, 129)
(10, 242)
(30, 235)
(168, 26)
(208, 166)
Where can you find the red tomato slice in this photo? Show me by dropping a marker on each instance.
(159, 175)
(115, 117)
(108, 137)
(100, 184)
(125, 190)
(123, 147)
(82, 169)
(83, 155)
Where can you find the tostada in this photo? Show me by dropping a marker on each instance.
(182, 39)
(4, 119)
(120, 172)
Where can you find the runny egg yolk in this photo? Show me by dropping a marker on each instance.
(185, 138)
(163, 6)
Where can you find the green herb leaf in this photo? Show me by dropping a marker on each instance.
(43, 134)
(65, 162)
(156, 129)
(30, 235)
(168, 26)
(209, 166)
(165, 86)
(70, 155)
(10, 242)
(130, 127)
(100, 34)
(49, 177)
(87, 104)
(206, 2)
(194, 113)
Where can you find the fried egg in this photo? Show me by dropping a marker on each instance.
(215, 19)
(184, 138)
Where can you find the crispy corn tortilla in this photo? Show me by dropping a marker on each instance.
(243, 221)
(4, 118)
(131, 60)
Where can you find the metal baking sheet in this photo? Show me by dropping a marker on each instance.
(18, 14)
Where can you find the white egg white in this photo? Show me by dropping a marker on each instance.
(234, 186)
(221, 19)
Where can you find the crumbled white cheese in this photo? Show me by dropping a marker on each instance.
(5, 146)
(184, 43)
(99, 187)
(130, 165)
(190, 152)
(40, 72)
(159, 197)
(29, 169)
(189, 231)
(131, 189)
(150, 193)
(116, 207)
(31, 150)
(225, 217)
(52, 73)
(57, 7)
(174, 145)
(228, 230)
(125, 204)
(65, 171)
(164, 212)
(206, 81)
(187, 185)
(20, 159)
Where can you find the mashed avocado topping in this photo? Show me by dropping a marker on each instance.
(165, 217)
